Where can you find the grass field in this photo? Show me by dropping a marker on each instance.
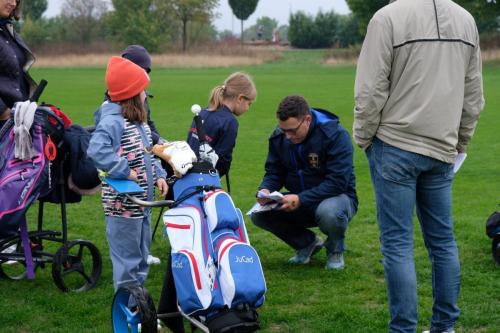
(299, 299)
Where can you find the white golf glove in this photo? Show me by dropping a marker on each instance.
(24, 114)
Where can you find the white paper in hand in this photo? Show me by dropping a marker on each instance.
(275, 196)
(459, 161)
(258, 208)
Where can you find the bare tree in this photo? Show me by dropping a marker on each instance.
(192, 10)
(83, 16)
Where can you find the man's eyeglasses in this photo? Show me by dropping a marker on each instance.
(293, 131)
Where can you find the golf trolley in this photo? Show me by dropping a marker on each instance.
(214, 278)
(76, 265)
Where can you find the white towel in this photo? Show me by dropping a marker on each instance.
(24, 113)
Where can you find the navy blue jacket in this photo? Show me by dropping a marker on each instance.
(320, 167)
(15, 82)
(221, 129)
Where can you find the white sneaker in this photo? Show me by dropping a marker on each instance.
(152, 260)
(450, 331)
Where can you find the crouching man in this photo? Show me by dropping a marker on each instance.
(311, 156)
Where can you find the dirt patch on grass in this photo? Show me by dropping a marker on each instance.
(198, 60)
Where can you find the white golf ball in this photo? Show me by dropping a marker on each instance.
(195, 109)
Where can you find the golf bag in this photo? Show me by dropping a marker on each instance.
(23, 181)
(217, 273)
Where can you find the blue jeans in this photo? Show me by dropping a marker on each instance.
(331, 216)
(403, 181)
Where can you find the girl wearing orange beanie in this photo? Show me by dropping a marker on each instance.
(117, 147)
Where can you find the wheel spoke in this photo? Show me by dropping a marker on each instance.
(85, 276)
(80, 252)
(69, 271)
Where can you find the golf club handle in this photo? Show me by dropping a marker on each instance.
(199, 129)
(38, 91)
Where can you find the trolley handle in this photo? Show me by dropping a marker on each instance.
(38, 91)
(159, 203)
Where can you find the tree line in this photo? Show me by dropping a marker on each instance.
(174, 24)
(485, 12)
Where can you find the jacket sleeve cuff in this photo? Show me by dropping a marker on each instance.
(159, 172)
(363, 143)
(121, 170)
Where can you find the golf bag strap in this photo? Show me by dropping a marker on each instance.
(30, 269)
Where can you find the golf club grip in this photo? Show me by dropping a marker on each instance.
(199, 129)
(38, 91)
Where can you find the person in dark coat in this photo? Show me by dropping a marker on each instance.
(311, 156)
(16, 85)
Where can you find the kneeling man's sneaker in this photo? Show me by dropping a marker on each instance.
(335, 261)
(304, 255)
(447, 331)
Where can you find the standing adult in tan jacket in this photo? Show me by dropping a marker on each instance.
(418, 95)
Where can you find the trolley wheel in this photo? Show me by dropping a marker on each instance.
(77, 266)
(14, 270)
(132, 306)
(495, 248)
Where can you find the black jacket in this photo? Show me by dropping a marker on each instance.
(221, 129)
(11, 90)
(318, 168)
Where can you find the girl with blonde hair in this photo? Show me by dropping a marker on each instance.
(232, 98)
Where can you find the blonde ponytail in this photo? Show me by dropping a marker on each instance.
(236, 84)
(216, 98)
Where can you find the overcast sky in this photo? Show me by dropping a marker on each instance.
(277, 9)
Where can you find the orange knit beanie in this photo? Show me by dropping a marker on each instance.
(124, 79)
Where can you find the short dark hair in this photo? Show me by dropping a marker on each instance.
(292, 107)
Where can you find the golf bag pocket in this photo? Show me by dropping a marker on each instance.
(240, 274)
(20, 180)
(192, 282)
(182, 226)
(193, 266)
(220, 210)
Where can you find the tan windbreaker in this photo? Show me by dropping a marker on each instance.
(418, 81)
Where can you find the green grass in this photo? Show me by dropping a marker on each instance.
(299, 299)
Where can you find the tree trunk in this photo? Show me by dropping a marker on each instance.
(184, 35)
(241, 32)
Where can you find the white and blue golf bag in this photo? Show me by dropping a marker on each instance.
(217, 273)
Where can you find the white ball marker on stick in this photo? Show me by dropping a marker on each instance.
(196, 109)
